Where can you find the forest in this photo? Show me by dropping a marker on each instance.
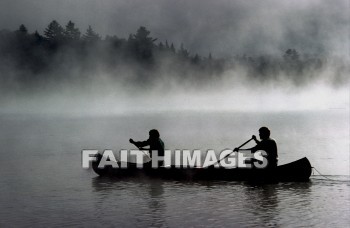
(65, 54)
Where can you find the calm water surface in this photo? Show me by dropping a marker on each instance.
(42, 183)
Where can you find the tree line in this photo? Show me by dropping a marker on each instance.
(53, 54)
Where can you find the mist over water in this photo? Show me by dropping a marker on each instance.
(66, 86)
(235, 95)
(270, 56)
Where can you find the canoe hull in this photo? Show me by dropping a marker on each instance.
(299, 170)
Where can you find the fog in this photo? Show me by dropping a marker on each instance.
(230, 95)
(251, 69)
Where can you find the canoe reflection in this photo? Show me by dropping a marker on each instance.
(155, 202)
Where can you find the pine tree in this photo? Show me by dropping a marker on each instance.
(91, 36)
(54, 31)
(143, 43)
(22, 29)
(71, 33)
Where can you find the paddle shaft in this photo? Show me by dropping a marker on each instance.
(244, 143)
(231, 152)
(142, 150)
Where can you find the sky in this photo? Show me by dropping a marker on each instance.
(221, 27)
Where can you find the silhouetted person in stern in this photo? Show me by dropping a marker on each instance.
(154, 142)
(266, 144)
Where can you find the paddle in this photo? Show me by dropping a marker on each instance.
(140, 148)
(230, 153)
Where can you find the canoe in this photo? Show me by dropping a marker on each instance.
(297, 171)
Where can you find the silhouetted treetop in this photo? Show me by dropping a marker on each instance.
(142, 44)
(22, 29)
(142, 35)
(54, 31)
(71, 32)
(91, 36)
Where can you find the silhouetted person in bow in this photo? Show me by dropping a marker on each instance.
(266, 144)
(154, 142)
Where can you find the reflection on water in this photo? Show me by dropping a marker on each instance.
(162, 203)
(263, 198)
(149, 194)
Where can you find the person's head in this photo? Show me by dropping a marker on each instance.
(154, 134)
(264, 133)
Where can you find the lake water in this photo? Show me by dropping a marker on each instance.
(43, 184)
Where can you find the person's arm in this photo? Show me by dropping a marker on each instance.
(253, 149)
(140, 143)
